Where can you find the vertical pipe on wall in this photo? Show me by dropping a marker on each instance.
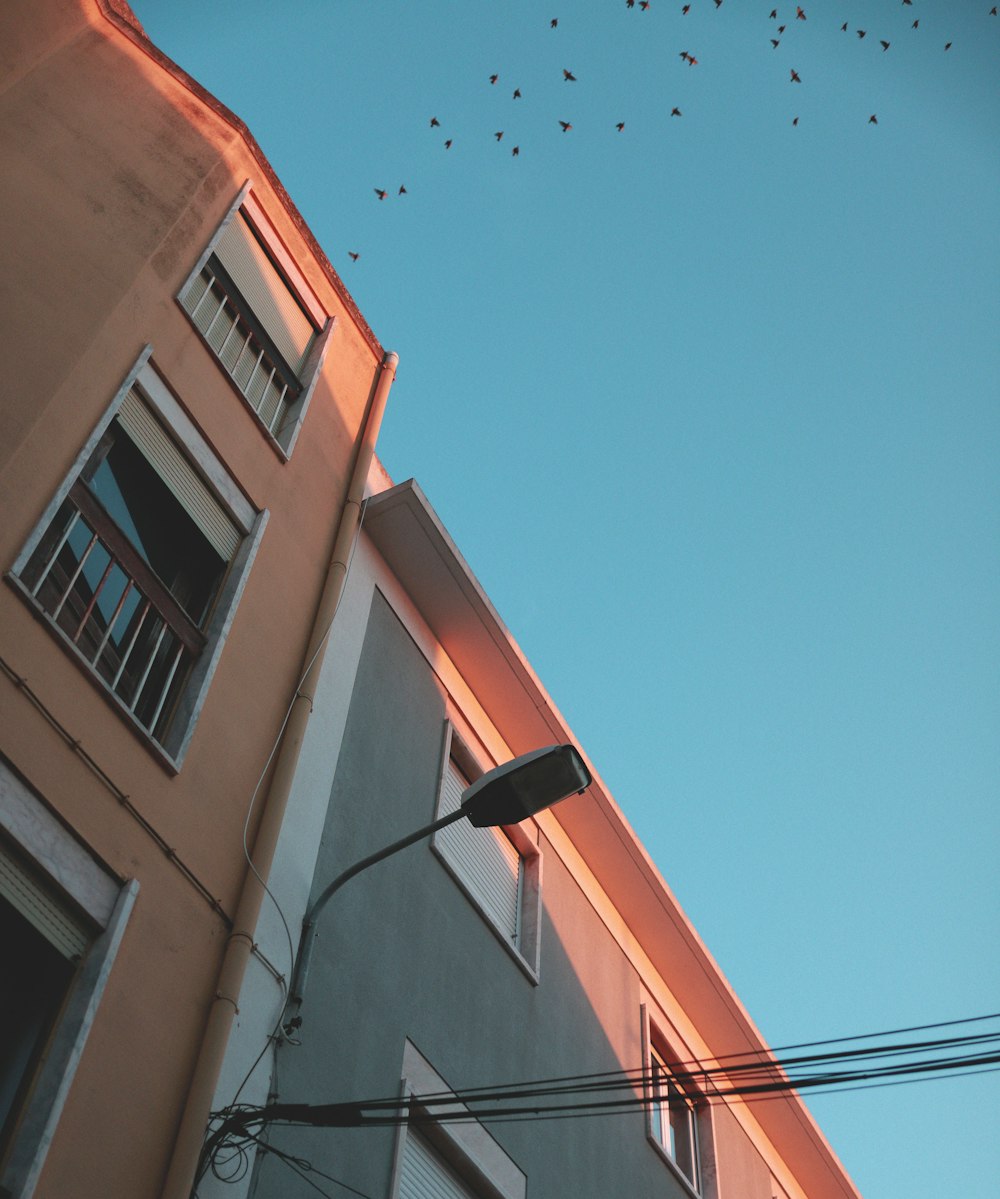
(194, 1119)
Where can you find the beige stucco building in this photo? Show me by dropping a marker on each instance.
(176, 446)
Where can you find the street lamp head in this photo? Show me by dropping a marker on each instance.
(518, 789)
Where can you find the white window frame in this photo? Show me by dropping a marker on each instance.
(282, 440)
(523, 941)
(157, 396)
(466, 1147)
(660, 1053)
(72, 876)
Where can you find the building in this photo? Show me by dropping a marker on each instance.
(196, 390)
(482, 957)
(182, 468)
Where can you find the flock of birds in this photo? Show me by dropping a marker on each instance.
(688, 58)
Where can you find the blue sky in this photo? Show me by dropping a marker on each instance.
(712, 406)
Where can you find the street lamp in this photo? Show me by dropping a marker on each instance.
(507, 794)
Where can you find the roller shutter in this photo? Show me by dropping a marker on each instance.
(50, 916)
(266, 292)
(486, 859)
(177, 473)
(425, 1175)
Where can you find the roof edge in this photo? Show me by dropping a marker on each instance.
(119, 14)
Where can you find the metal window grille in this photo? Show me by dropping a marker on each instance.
(119, 617)
(93, 581)
(267, 383)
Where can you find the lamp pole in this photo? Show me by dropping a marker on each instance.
(507, 795)
(308, 938)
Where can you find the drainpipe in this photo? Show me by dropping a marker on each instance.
(194, 1120)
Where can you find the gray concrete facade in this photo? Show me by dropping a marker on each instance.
(404, 955)
(414, 988)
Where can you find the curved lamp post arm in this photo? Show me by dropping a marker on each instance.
(505, 795)
(308, 938)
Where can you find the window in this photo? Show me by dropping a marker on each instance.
(673, 1120)
(426, 1175)
(60, 926)
(42, 941)
(678, 1118)
(138, 562)
(268, 335)
(449, 1160)
(498, 868)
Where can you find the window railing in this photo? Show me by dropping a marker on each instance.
(267, 384)
(96, 588)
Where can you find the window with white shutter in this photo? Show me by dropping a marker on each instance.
(62, 917)
(498, 868)
(43, 940)
(486, 858)
(426, 1175)
(448, 1159)
(264, 336)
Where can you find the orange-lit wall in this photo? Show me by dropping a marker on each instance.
(117, 171)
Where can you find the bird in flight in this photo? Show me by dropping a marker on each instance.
(568, 76)
(947, 45)
(352, 256)
(447, 144)
(516, 151)
(884, 45)
(644, 5)
(916, 24)
(862, 32)
(873, 119)
(795, 120)
(843, 28)
(676, 112)
(553, 23)
(494, 78)
(566, 126)
(774, 15)
(799, 14)
(775, 43)
(685, 10)
(434, 122)
(499, 135)
(517, 94)
(795, 77)
(380, 193)
(402, 190)
(620, 126)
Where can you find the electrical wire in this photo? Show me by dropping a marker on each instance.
(621, 1091)
(288, 1159)
(697, 1072)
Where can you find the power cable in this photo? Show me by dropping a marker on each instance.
(585, 1095)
